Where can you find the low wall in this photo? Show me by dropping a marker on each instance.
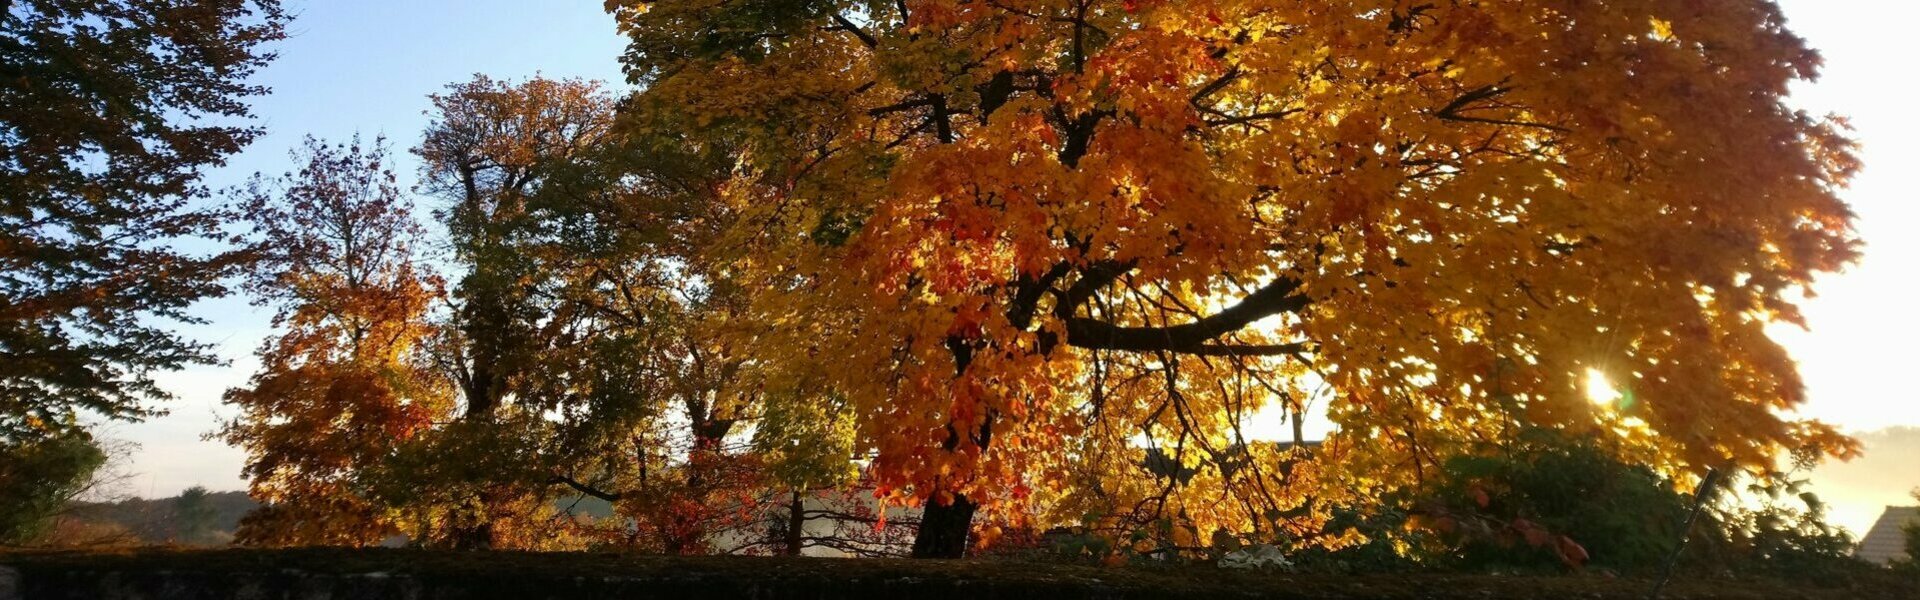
(321, 574)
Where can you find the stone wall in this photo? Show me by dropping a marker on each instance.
(376, 574)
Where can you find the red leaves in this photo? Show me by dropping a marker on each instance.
(1472, 525)
(969, 321)
(1533, 533)
(1571, 553)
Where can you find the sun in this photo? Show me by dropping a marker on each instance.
(1600, 390)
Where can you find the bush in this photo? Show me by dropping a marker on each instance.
(1386, 549)
(1777, 539)
(1912, 562)
(1550, 504)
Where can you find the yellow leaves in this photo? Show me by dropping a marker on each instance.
(1481, 201)
(1662, 29)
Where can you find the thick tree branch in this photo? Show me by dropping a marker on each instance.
(995, 92)
(1079, 135)
(1092, 279)
(942, 123)
(1249, 349)
(1029, 290)
(1277, 297)
(1453, 110)
(900, 106)
(856, 31)
(584, 488)
(1246, 119)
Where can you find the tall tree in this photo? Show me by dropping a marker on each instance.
(347, 380)
(109, 112)
(626, 239)
(490, 150)
(1451, 213)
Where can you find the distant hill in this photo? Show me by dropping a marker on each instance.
(195, 518)
(209, 519)
(584, 505)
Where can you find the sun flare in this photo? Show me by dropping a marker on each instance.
(1601, 390)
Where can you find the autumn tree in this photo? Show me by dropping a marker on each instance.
(1450, 213)
(110, 111)
(657, 395)
(818, 493)
(346, 380)
(489, 150)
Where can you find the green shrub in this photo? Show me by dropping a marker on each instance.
(1549, 504)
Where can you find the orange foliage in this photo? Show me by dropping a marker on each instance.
(1023, 235)
(344, 383)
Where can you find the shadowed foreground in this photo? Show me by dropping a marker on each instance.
(382, 573)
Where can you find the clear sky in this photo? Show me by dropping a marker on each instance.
(367, 66)
(351, 66)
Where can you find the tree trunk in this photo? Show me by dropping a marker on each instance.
(474, 537)
(1299, 428)
(944, 529)
(796, 524)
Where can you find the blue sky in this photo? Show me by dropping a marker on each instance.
(353, 66)
(367, 66)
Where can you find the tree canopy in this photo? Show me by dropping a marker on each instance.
(1007, 230)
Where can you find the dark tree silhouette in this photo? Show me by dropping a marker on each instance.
(109, 112)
